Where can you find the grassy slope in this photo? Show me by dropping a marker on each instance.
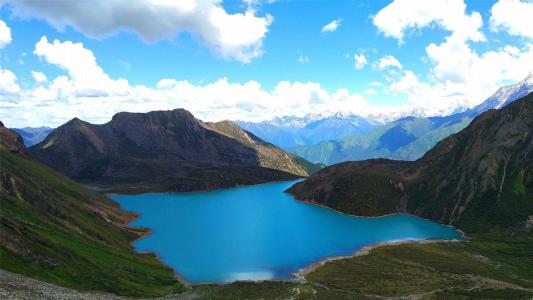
(487, 267)
(58, 231)
(374, 143)
(494, 265)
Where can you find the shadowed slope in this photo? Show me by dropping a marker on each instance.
(160, 151)
(477, 179)
(59, 231)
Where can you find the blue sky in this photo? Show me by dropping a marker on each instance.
(284, 64)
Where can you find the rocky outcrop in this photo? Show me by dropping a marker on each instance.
(11, 141)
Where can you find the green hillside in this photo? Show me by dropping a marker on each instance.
(58, 231)
(405, 139)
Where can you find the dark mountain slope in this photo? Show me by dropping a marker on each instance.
(159, 151)
(477, 179)
(53, 229)
(11, 141)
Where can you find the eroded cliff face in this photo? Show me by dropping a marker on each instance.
(478, 179)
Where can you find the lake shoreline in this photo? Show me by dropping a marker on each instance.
(117, 191)
(146, 234)
(463, 234)
(299, 276)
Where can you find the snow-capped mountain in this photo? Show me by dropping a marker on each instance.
(291, 131)
(506, 95)
(288, 132)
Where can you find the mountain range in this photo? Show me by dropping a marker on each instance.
(33, 135)
(165, 151)
(407, 138)
(289, 132)
(333, 137)
(480, 179)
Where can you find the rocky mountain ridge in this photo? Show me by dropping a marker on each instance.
(478, 179)
(163, 151)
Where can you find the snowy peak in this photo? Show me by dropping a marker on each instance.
(506, 95)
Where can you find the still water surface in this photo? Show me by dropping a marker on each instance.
(258, 232)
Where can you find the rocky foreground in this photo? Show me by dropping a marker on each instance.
(18, 287)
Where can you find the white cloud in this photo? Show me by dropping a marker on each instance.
(39, 77)
(463, 78)
(388, 61)
(359, 61)
(88, 92)
(303, 59)
(5, 34)
(401, 15)
(513, 16)
(376, 83)
(371, 92)
(86, 77)
(235, 36)
(8, 83)
(332, 26)
(407, 83)
(457, 63)
(458, 75)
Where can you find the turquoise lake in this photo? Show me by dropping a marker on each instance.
(258, 232)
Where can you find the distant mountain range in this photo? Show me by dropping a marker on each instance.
(333, 137)
(165, 151)
(480, 179)
(407, 138)
(33, 135)
(289, 132)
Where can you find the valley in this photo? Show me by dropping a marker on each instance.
(266, 150)
(497, 237)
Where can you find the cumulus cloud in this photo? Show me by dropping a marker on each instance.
(5, 34)
(407, 83)
(8, 83)
(513, 16)
(86, 77)
(461, 79)
(86, 91)
(332, 26)
(234, 36)
(388, 61)
(402, 15)
(359, 61)
(39, 77)
(459, 75)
